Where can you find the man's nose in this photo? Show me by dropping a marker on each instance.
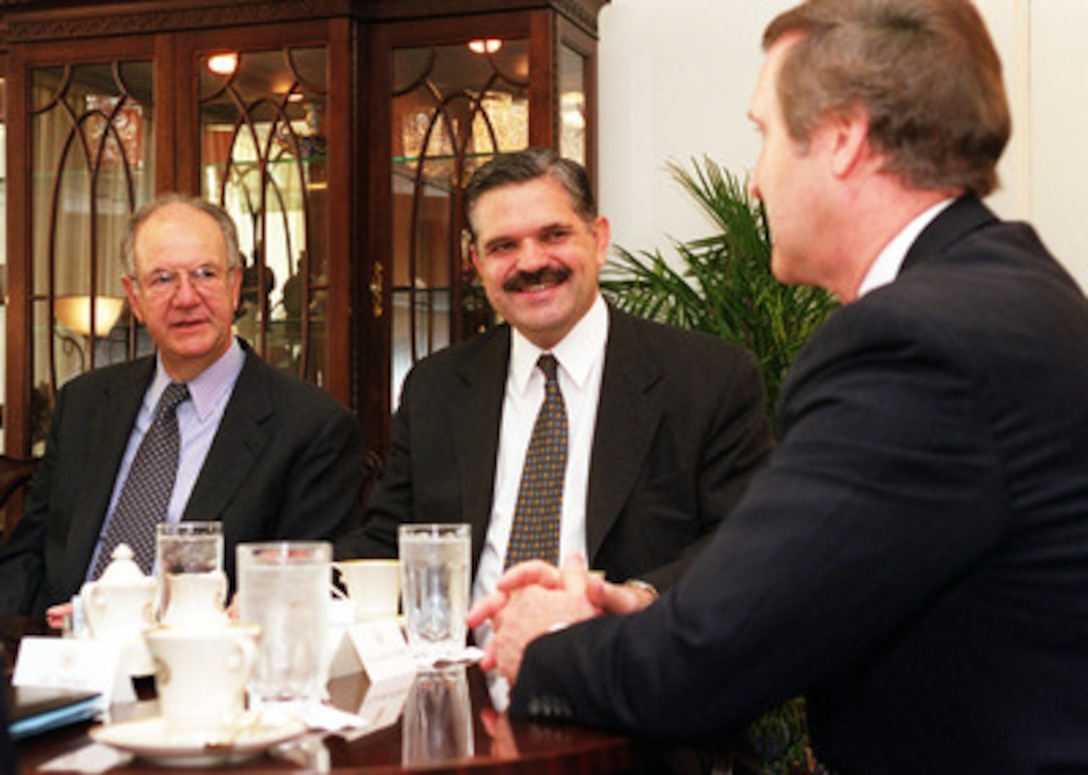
(186, 292)
(532, 256)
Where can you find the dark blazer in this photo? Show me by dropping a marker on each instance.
(285, 464)
(680, 429)
(915, 557)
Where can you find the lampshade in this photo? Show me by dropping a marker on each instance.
(74, 313)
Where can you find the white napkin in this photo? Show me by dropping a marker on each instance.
(329, 719)
(470, 656)
(315, 715)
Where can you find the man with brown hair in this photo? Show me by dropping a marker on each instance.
(914, 560)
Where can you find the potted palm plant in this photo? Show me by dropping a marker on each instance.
(722, 283)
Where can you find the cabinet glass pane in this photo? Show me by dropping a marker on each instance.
(263, 154)
(91, 165)
(454, 107)
(572, 105)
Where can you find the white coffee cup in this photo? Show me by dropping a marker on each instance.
(373, 586)
(201, 674)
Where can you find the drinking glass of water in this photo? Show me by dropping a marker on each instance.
(434, 566)
(284, 587)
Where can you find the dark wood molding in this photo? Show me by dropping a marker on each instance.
(33, 21)
(581, 12)
(29, 23)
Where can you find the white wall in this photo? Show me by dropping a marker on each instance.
(1059, 129)
(676, 78)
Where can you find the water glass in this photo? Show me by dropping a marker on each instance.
(284, 588)
(434, 566)
(189, 559)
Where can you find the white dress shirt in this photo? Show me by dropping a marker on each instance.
(581, 362)
(889, 261)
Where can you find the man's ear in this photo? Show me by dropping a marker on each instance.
(234, 275)
(133, 299)
(602, 236)
(849, 139)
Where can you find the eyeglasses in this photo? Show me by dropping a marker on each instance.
(164, 283)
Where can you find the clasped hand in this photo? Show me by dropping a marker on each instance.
(533, 598)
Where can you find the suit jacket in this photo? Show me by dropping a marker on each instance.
(285, 464)
(680, 428)
(915, 557)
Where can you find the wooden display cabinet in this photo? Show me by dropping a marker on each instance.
(339, 134)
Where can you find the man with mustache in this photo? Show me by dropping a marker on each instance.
(664, 426)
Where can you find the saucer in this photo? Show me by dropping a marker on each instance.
(152, 740)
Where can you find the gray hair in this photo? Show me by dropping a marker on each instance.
(138, 218)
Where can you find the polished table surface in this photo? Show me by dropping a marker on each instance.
(437, 706)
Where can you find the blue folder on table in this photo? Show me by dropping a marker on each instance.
(33, 709)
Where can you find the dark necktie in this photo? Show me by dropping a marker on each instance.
(145, 495)
(535, 533)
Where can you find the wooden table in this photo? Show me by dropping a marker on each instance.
(494, 743)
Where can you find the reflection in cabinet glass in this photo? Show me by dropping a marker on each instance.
(572, 105)
(91, 129)
(263, 150)
(453, 108)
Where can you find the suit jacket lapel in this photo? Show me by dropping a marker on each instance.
(110, 429)
(627, 419)
(476, 409)
(243, 433)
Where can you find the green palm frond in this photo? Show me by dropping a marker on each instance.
(722, 283)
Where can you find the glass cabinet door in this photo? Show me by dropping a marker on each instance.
(91, 142)
(263, 157)
(453, 108)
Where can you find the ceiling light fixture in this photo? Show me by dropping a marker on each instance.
(223, 64)
(484, 45)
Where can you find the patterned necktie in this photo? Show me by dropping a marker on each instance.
(535, 533)
(145, 495)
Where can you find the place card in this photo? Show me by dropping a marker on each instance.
(383, 702)
(382, 649)
(343, 661)
(72, 663)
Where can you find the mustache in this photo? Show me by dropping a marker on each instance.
(550, 275)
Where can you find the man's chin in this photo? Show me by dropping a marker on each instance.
(194, 345)
(545, 331)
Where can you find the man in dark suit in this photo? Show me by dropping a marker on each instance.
(915, 557)
(269, 456)
(665, 426)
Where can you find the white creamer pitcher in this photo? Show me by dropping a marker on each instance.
(121, 605)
